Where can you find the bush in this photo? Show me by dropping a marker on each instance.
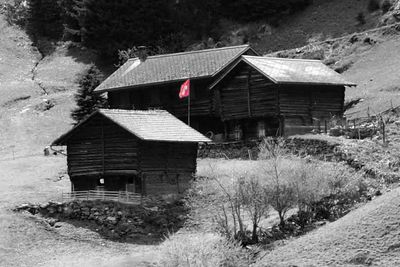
(327, 190)
(200, 250)
(278, 176)
(373, 5)
(361, 18)
(386, 5)
(16, 13)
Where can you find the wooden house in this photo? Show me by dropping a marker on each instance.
(261, 96)
(155, 82)
(147, 152)
(235, 93)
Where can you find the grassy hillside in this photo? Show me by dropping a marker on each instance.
(322, 20)
(37, 91)
(366, 236)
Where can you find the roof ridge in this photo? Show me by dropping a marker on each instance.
(282, 58)
(194, 51)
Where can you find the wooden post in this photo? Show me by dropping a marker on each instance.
(177, 182)
(248, 93)
(102, 146)
(189, 108)
(383, 132)
(326, 127)
(226, 131)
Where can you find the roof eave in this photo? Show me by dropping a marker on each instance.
(177, 141)
(60, 141)
(317, 83)
(137, 86)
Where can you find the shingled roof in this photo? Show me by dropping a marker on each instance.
(172, 67)
(153, 125)
(293, 71)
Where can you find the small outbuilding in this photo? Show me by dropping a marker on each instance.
(146, 152)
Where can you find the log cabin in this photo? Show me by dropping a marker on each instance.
(146, 152)
(264, 96)
(235, 93)
(154, 82)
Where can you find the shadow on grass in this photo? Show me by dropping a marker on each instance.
(135, 224)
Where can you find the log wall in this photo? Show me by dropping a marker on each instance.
(307, 107)
(245, 94)
(101, 147)
(165, 97)
(167, 167)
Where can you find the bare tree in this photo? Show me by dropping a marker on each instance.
(254, 198)
(281, 189)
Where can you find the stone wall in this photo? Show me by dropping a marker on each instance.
(113, 220)
(319, 148)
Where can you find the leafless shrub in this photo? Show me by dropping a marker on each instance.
(278, 176)
(232, 198)
(254, 197)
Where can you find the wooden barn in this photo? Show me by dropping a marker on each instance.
(154, 82)
(235, 93)
(146, 152)
(261, 96)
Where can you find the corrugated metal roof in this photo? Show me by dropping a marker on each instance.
(172, 67)
(153, 125)
(293, 71)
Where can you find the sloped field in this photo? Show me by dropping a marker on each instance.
(366, 236)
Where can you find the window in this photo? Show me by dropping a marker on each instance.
(261, 129)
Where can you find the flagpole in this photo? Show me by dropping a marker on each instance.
(189, 109)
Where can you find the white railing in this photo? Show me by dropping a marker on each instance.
(118, 196)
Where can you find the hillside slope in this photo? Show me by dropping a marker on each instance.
(377, 74)
(321, 20)
(366, 236)
(37, 91)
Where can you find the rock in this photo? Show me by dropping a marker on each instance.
(51, 221)
(23, 207)
(57, 225)
(320, 223)
(111, 220)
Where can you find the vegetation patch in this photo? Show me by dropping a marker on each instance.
(202, 249)
(238, 199)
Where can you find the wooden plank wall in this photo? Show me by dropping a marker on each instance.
(165, 97)
(307, 107)
(167, 167)
(100, 137)
(246, 93)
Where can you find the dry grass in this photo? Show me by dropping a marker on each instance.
(310, 180)
(368, 235)
(201, 250)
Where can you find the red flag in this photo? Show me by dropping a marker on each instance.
(185, 89)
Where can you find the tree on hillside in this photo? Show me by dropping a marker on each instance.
(86, 100)
(109, 26)
(44, 19)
